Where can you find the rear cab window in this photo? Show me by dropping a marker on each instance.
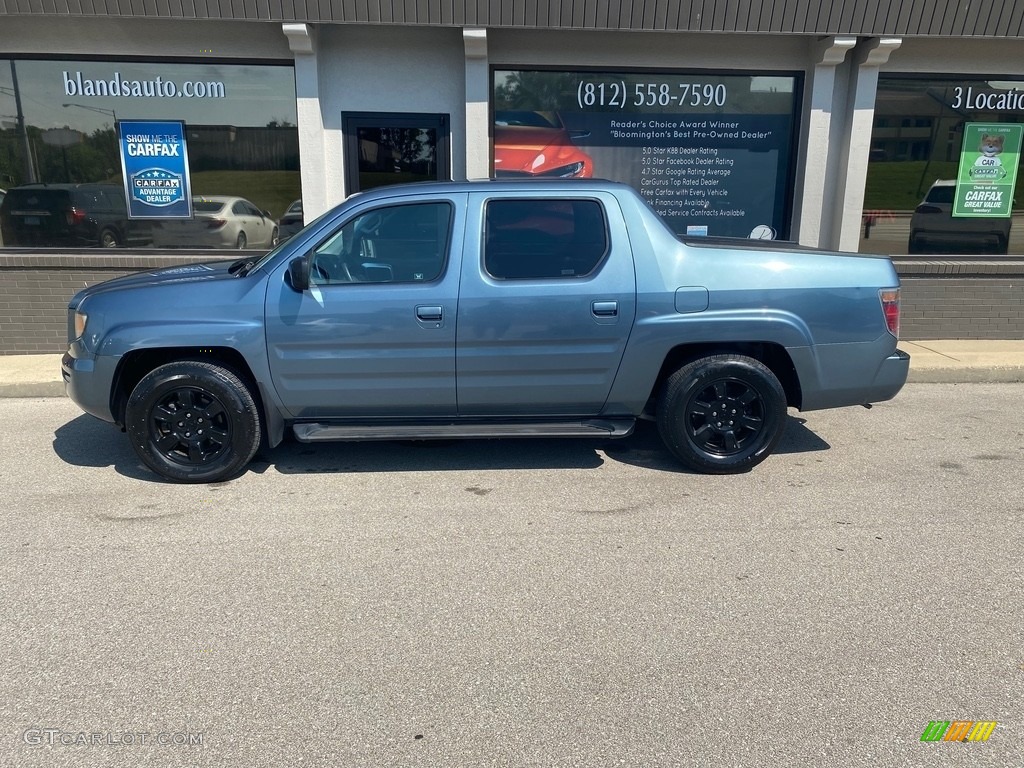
(544, 239)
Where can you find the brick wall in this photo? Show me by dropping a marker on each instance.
(949, 299)
(966, 299)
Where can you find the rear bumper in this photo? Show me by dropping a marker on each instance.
(854, 374)
(891, 377)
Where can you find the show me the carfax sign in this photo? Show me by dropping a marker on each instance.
(988, 170)
(154, 159)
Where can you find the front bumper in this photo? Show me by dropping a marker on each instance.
(87, 381)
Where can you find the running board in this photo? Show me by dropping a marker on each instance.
(316, 433)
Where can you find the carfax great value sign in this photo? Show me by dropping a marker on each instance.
(154, 159)
(988, 170)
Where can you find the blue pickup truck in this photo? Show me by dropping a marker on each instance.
(484, 309)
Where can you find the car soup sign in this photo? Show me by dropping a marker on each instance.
(154, 159)
(988, 170)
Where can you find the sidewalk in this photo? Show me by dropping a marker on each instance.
(949, 362)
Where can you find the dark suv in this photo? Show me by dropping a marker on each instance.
(69, 215)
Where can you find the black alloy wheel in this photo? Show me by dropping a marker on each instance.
(193, 422)
(722, 414)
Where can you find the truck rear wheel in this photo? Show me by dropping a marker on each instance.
(722, 414)
(193, 422)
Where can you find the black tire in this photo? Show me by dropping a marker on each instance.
(241, 242)
(109, 239)
(914, 246)
(722, 414)
(193, 422)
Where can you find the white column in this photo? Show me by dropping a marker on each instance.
(822, 150)
(869, 56)
(312, 160)
(478, 93)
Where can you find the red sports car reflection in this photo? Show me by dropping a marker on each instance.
(538, 145)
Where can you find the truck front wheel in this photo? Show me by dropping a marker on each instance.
(193, 422)
(722, 414)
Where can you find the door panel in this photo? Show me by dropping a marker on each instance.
(551, 345)
(376, 340)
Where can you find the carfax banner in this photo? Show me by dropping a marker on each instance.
(154, 161)
(988, 170)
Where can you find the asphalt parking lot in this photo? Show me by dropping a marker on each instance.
(520, 603)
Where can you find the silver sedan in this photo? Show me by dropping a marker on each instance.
(218, 222)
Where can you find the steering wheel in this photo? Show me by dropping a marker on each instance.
(344, 274)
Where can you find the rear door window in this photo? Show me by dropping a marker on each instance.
(544, 239)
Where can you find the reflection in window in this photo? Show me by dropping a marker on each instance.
(59, 130)
(916, 144)
(391, 148)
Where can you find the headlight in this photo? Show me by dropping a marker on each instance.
(565, 171)
(80, 321)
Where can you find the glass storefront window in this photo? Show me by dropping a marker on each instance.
(61, 164)
(942, 167)
(394, 148)
(712, 152)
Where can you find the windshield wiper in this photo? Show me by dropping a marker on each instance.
(241, 267)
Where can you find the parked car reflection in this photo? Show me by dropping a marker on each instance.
(69, 216)
(218, 222)
(933, 228)
(291, 221)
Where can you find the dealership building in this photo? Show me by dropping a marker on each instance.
(859, 125)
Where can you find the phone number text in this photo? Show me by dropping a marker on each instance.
(612, 93)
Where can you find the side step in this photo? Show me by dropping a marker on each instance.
(319, 432)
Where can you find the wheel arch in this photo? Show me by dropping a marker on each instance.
(773, 355)
(135, 364)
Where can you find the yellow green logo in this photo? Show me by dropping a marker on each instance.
(958, 730)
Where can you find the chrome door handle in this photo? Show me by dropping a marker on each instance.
(605, 308)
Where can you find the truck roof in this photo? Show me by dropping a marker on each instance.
(571, 186)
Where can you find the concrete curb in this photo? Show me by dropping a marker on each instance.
(33, 389)
(965, 375)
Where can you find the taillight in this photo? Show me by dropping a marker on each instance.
(927, 209)
(890, 298)
(74, 216)
(215, 223)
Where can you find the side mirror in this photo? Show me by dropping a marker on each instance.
(298, 273)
